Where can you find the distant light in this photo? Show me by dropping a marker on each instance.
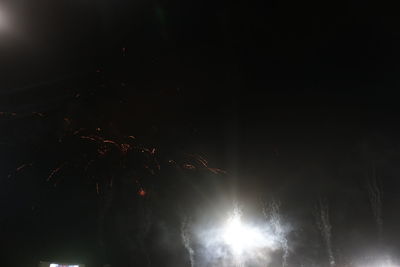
(62, 265)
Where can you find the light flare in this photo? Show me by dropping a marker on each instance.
(237, 242)
(243, 238)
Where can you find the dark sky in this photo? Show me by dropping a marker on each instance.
(295, 100)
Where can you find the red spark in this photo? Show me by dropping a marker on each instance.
(67, 120)
(102, 151)
(77, 131)
(110, 142)
(189, 166)
(23, 166)
(216, 170)
(201, 161)
(204, 163)
(2, 113)
(88, 138)
(125, 148)
(142, 193)
(54, 172)
(20, 168)
(38, 114)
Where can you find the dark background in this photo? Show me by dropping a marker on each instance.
(295, 100)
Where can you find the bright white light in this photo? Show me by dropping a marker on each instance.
(62, 265)
(240, 237)
(237, 242)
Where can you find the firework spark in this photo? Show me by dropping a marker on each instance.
(20, 168)
(55, 171)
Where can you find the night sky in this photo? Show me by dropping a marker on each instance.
(120, 120)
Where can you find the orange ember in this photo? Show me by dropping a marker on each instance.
(142, 193)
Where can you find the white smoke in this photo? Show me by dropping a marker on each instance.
(186, 240)
(272, 214)
(324, 225)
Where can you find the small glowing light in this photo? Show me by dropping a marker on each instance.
(142, 193)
